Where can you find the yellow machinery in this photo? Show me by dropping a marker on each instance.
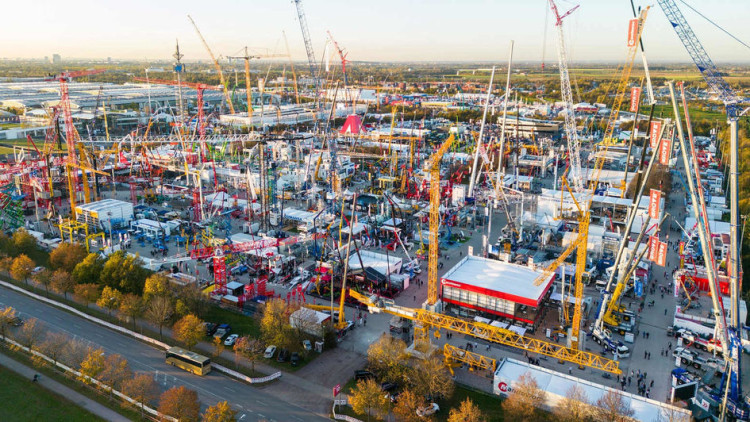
(584, 213)
(72, 227)
(429, 319)
(216, 65)
(433, 166)
(91, 237)
(455, 356)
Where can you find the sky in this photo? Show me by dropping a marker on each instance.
(382, 30)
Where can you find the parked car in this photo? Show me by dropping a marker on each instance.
(428, 410)
(270, 351)
(363, 375)
(306, 345)
(231, 340)
(283, 356)
(294, 360)
(210, 328)
(222, 330)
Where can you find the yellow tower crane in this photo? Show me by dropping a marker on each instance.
(584, 213)
(216, 65)
(433, 166)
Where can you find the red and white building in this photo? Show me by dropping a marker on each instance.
(485, 287)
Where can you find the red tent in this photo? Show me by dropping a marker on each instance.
(352, 125)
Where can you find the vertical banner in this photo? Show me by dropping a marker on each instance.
(638, 287)
(632, 32)
(661, 258)
(682, 254)
(635, 99)
(653, 248)
(654, 132)
(654, 200)
(665, 151)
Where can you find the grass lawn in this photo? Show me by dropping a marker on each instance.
(241, 324)
(487, 403)
(24, 401)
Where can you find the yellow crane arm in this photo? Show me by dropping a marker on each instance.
(432, 266)
(216, 65)
(551, 268)
(490, 333)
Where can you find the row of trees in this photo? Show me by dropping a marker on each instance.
(112, 370)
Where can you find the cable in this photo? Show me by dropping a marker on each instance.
(714, 24)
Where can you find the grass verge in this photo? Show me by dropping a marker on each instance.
(51, 372)
(37, 402)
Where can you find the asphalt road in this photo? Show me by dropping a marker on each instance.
(251, 403)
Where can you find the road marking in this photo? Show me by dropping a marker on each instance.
(230, 389)
(262, 403)
(242, 416)
(261, 416)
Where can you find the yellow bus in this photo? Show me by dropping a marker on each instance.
(189, 361)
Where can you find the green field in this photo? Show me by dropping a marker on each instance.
(24, 401)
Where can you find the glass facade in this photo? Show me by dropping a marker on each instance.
(479, 300)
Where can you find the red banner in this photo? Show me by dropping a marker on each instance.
(654, 132)
(661, 257)
(665, 151)
(632, 32)
(653, 248)
(654, 200)
(635, 99)
(336, 390)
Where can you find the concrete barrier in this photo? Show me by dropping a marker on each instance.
(94, 381)
(131, 333)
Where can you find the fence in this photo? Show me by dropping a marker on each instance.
(342, 402)
(77, 374)
(138, 336)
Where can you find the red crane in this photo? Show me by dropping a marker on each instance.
(71, 134)
(342, 55)
(197, 86)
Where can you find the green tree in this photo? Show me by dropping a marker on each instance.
(24, 243)
(194, 299)
(525, 400)
(88, 270)
(220, 412)
(159, 310)
(189, 330)
(30, 333)
(181, 403)
(156, 284)
(405, 409)
(218, 346)
(7, 318)
(611, 407)
(87, 292)
(366, 397)
(116, 372)
(110, 299)
(141, 388)
(249, 348)
(123, 272)
(274, 324)
(131, 306)
(431, 377)
(386, 357)
(467, 412)
(44, 278)
(574, 406)
(21, 268)
(62, 282)
(54, 345)
(66, 256)
(93, 365)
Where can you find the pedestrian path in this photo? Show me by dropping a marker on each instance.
(70, 394)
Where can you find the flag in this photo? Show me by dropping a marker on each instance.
(632, 32)
(654, 132)
(635, 98)
(665, 151)
(654, 201)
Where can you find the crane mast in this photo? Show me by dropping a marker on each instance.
(574, 147)
(311, 62)
(216, 65)
(732, 384)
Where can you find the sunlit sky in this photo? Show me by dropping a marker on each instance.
(382, 30)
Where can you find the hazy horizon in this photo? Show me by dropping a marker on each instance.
(439, 31)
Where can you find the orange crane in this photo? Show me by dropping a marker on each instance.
(216, 65)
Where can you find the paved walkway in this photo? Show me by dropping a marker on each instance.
(64, 391)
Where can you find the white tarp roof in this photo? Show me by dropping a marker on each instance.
(557, 384)
(378, 262)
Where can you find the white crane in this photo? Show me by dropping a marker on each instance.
(574, 146)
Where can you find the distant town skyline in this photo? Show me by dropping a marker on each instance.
(393, 31)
